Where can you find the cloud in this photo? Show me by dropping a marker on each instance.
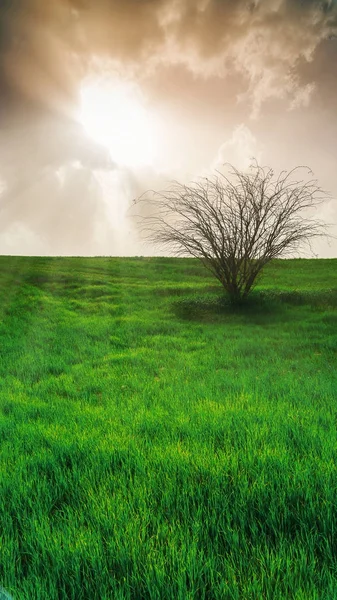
(70, 211)
(239, 150)
(31, 151)
(266, 41)
(59, 215)
(48, 167)
(47, 48)
(50, 195)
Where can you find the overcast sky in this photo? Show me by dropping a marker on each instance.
(219, 80)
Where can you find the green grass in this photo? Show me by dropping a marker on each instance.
(156, 443)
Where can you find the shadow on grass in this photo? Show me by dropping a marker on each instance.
(42, 279)
(262, 304)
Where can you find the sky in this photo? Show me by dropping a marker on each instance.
(101, 100)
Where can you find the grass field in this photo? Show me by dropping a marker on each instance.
(155, 443)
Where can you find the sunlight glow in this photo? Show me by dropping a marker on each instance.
(113, 113)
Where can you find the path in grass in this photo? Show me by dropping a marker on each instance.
(156, 444)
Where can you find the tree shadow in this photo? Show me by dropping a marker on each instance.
(261, 306)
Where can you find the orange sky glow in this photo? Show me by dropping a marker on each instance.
(100, 101)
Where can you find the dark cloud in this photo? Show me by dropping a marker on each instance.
(265, 40)
(46, 46)
(34, 59)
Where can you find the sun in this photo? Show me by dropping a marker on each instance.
(114, 114)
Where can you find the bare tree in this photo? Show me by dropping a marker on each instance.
(235, 229)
